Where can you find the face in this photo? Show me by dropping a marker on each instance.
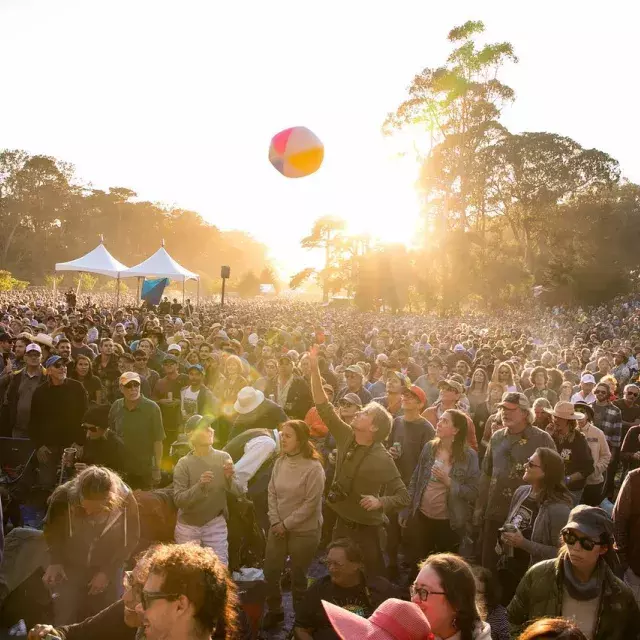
(195, 378)
(585, 560)
(495, 395)
(204, 351)
(341, 569)
(64, 349)
(348, 411)
(631, 395)
(285, 368)
(587, 387)
(289, 440)
(94, 432)
(232, 367)
(202, 437)
(305, 366)
(107, 348)
(131, 596)
(512, 417)
(444, 426)
(394, 385)
(140, 358)
(354, 381)
(602, 393)
(19, 348)
(575, 364)
(93, 507)
(271, 369)
(410, 402)
(266, 352)
(538, 379)
(145, 345)
(449, 395)
(363, 422)
(566, 388)
(159, 619)
(131, 391)
(82, 366)
(504, 373)
(57, 371)
(32, 358)
(461, 369)
(170, 368)
(436, 607)
(533, 469)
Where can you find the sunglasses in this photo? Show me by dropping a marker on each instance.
(586, 543)
(132, 385)
(59, 365)
(91, 429)
(147, 597)
(632, 394)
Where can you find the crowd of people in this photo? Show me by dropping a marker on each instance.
(460, 478)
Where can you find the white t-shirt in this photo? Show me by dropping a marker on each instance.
(188, 402)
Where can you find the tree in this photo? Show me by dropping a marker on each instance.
(9, 283)
(85, 282)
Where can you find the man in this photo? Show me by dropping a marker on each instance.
(138, 421)
(608, 418)
(621, 371)
(186, 595)
(102, 446)
(63, 347)
(201, 481)
(539, 380)
(451, 392)
(408, 367)
(156, 357)
(105, 366)
(629, 408)
(501, 474)
(78, 346)
(19, 350)
(167, 394)
(268, 383)
(411, 431)
(587, 383)
(254, 411)
(355, 380)
(22, 386)
(55, 422)
(627, 530)
(430, 381)
(6, 343)
(140, 362)
(195, 398)
(292, 392)
(126, 362)
(367, 482)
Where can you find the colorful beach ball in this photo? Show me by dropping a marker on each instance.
(296, 152)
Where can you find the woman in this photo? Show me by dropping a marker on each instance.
(477, 391)
(573, 447)
(543, 419)
(233, 381)
(91, 528)
(443, 488)
(83, 373)
(392, 401)
(463, 369)
(580, 583)
(552, 629)
(566, 391)
(295, 516)
(445, 591)
(600, 452)
(192, 358)
(538, 511)
(503, 374)
(489, 596)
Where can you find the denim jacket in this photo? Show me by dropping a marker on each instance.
(463, 492)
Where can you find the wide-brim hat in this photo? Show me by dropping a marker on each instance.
(248, 400)
(564, 409)
(585, 408)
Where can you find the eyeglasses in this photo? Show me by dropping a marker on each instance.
(60, 365)
(528, 463)
(571, 538)
(632, 394)
(423, 593)
(132, 385)
(91, 428)
(147, 597)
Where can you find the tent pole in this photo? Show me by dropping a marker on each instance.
(118, 293)
(184, 280)
(198, 295)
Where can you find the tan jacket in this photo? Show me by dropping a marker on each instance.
(600, 452)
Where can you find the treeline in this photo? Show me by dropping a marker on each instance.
(47, 216)
(504, 215)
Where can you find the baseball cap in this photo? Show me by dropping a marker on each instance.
(5, 337)
(515, 400)
(129, 376)
(459, 348)
(416, 391)
(592, 521)
(352, 398)
(33, 347)
(51, 361)
(588, 377)
(198, 367)
(354, 368)
(174, 347)
(453, 384)
(170, 358)
(197, 421)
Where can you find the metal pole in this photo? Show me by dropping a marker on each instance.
(198, 295)
(118, 293)
(222, 301)
(184, 280)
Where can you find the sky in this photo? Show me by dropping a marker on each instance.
(179, 100)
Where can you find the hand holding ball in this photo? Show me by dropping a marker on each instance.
(296, 152)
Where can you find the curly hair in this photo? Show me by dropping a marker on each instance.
(552, 629)
(197, 573)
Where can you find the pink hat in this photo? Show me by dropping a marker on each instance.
(392, 620)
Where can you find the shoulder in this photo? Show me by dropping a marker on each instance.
(542, 570)
(521, 491)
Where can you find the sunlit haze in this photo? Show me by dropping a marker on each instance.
(178, 100)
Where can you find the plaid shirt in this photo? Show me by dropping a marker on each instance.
(609, 418)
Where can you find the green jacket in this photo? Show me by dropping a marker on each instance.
(539, 595)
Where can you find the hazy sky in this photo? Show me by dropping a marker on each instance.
(178, 100)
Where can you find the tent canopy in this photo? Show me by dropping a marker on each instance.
(160, 265)
(98, 261)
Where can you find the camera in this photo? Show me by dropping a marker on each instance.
(336, 494)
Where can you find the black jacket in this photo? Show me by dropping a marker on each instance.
(106, 452)
(299, 399)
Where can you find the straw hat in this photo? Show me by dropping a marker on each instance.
(564, 410)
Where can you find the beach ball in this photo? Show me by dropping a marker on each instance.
(296, 152)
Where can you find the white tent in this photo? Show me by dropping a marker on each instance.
(98, 261)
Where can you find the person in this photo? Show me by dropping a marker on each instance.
(91, 528)
(201, 481)
(442, 490)
(477, 391)
(167, 395)
(102, 446)
(187, 595)
(543, 418)
(451, 392)
(344, 586)
(195, 398)
(580, 584)
(487, 416)
(572, 447)
(254, 411)
(392, 400)
(55, 422)
(105, 366)
(140, 366)
(363, 468)
(566, 390)
(16, 410)
(231, 384)
(539, 388)
(629, 408)
(292, 391)
(489, 594)
(445, 591)
(138, 421)
(83, 373)
(354, 377)
(295, 516)
(592, 493)
(429, 382)
(538, 512)
(608, 418)
(408, 366)
(585, 394)
(503, 374)
(268, 384)
(393, 620)
(552, 629)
